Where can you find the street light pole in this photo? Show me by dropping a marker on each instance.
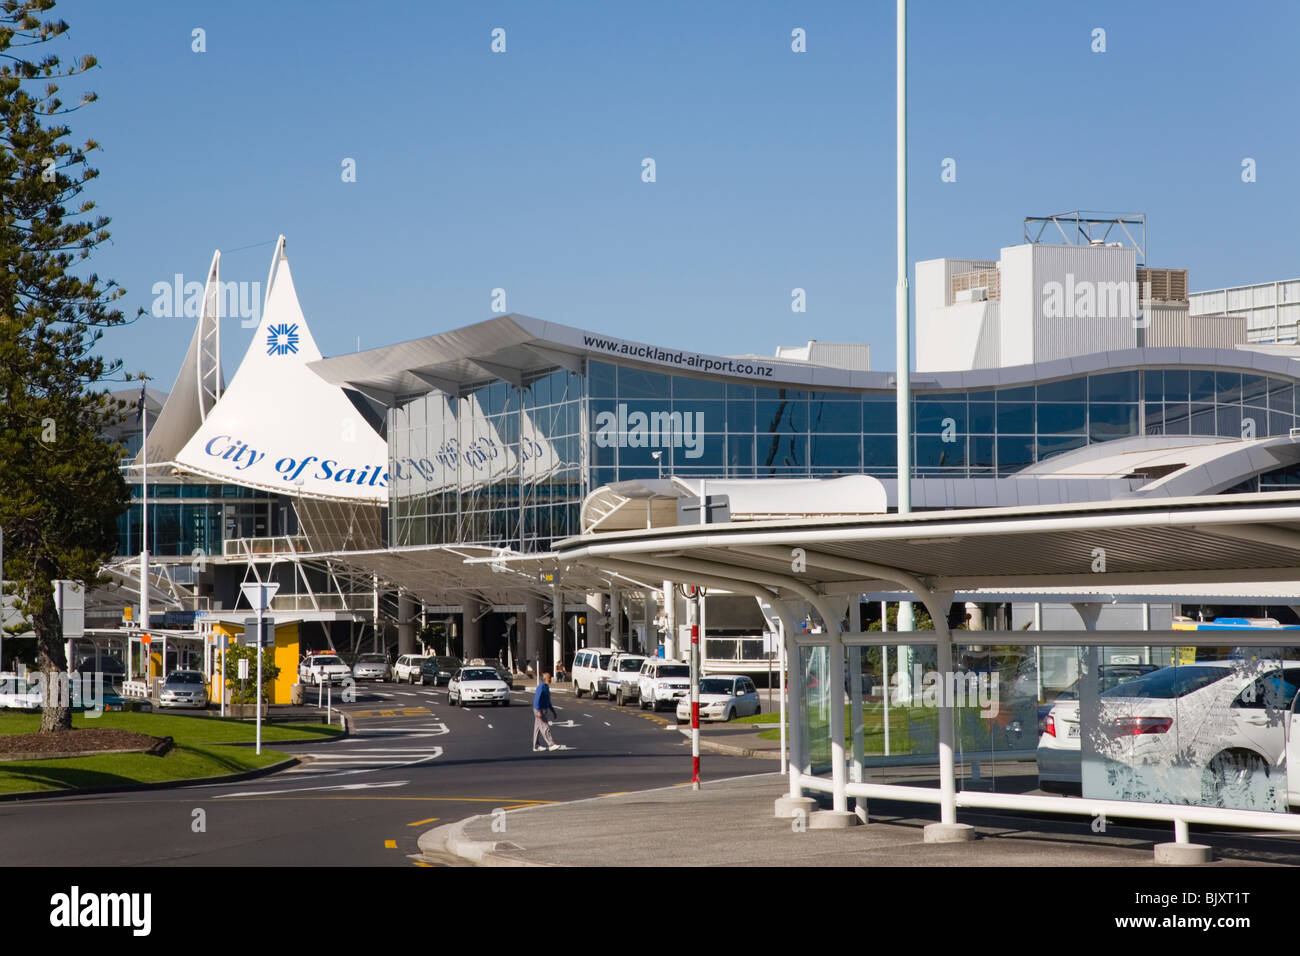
(259, 595)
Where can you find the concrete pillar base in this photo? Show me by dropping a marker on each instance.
(788, 807)
(949, 833)
(1183, 854)
(833, 820)
(860, 809)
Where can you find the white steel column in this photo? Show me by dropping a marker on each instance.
(670, 621)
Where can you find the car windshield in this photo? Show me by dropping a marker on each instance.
(604, 661)
(1169, 682)
(326, 661)
(372, 659)
(715, 685)
(479, 674)
(185, 677)
(630, 664)
(675, 670)
(429, 664)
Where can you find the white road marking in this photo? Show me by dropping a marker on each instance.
(489, 726)
(607, 723)
(344, 786)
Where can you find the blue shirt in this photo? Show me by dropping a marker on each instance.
(542, 697)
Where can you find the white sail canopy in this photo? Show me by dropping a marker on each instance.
(280, 427)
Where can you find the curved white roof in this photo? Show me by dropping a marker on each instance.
(280, 427)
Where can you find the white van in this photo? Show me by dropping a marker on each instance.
(590, 668)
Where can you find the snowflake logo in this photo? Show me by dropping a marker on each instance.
(282, 339)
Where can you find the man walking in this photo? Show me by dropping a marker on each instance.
(542, 706)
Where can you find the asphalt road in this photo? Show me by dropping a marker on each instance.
(414, 763)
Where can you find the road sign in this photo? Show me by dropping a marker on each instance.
(251, 631)
(243, 668)
(546, 577)
(259, 595)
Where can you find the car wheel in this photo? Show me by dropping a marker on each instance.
(506, 702)
(1236, 779)
(731, 712)
(577, 689)
(619, 699)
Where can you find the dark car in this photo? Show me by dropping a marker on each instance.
(430, 672)
(448, 666)
(505, 675)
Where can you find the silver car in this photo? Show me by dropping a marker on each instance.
(184, 689)
(371, 667)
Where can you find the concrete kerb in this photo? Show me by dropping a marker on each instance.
(728, 749)
(450, 838)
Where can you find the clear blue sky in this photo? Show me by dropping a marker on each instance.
(522, 170)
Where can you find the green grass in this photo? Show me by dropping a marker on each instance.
(205, 747)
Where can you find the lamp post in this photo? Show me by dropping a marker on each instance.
(259, 595)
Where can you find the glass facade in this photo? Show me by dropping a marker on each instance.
(186, 518)
(508, 466)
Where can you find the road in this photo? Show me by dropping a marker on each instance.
(414, 763)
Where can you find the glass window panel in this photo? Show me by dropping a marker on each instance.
(1227, 387)
(1015, 418)
(745, 392)
(1054, 419)
(1067, 390)
(840, 452)
(1113, 387)
(687, 387)
(712, 414)
(1049, 445)
(879, 452)
(640, 383)
(740, 416)
(1280, 396)
(1106, 422)
(1153, 389)
(981, 451)
(981, 418)
(780, 394)
(1253, 389)
(782, 416)
(879, 416)
(1177, 385)
(1022, 393)
(782, 451)
(1259, 416)
(1279, 424)
(1229, 421)
(933, 452)
(600, 379)
(835, 416)
(1202, 385)
(1014, 452)
(932, 416)
(1203, 422)
(740, 453)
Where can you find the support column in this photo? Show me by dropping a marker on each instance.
(794, 803)
(670, 619)
(405, 623)
(838, 816)
(473, 636)
(557, 624)
(948, 830)
(616, 639)
(647, 622)
(595, 619)
(534, 636)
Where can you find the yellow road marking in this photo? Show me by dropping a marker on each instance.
(390, 844)
(616, 793)
(420, 823)
(418, 863)
(405, 712)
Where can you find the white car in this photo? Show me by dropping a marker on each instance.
(623, 683)
(407, 668)
(1213, 733)
(371, 667)
(184, 689)
(16, 693)
(590, 668)
(477, 685)
(1060, 760)
(663, 682)
(321, 669)
(722, 698)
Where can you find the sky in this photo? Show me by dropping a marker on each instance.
(774, 170)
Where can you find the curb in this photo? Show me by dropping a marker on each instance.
(730, 750)
(141, 787)
(451, 839)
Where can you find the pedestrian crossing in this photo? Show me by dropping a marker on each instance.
(377, 746)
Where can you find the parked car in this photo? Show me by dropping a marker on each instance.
(448, 666)
(372, 667)
(407, 668)
(430, 672)
(589, 670)
(184, 689)
(624, 681)
(722, 697)
(1212, 732)
(505, 675)
(477, 685)
(663, 682)
(322, 669)
(17, 693)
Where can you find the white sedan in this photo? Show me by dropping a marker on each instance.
(477, 685)
(722, 698)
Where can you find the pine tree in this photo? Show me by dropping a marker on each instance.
(61, 489)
